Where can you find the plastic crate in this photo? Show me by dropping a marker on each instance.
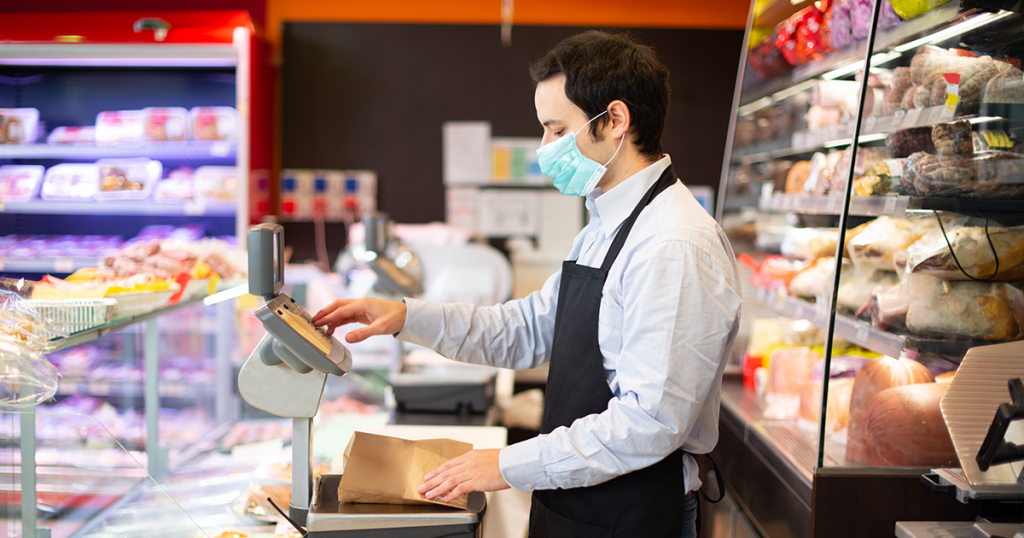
(70, 316)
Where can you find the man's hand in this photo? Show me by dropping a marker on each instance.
(379, 316)
(476, 470)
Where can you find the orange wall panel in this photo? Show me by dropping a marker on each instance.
(724, 14)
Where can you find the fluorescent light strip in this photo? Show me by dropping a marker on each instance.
(750, 108)
(229, 293)
(985, 119)
(860, 140)
(853, 67)
(954, 31)
(793, 90)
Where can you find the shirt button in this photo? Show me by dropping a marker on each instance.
(529, 486)
(593, 235)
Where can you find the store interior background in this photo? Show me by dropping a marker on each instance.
(367, 85)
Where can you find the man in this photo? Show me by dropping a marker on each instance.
(637, 327)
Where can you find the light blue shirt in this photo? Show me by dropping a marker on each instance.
(669, 315)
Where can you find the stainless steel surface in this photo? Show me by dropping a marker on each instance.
(28, 473)
(156, 459)
(302, 462)
(327, 514)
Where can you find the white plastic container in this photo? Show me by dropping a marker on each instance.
(78, 136)
(177, 187)
(127, 179)
(121, 128)
(216, 185)
(18, 125)
(214, 123)
(71, 182)
(166, 125)
(20, 183)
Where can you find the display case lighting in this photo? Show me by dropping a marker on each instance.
(853, 67)
(985, 119)
(750, 108)
(860, 140)
(224, 295)
(954, 31)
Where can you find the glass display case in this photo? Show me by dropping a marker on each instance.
(872, 188)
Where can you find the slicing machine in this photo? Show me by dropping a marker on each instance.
(285, 376)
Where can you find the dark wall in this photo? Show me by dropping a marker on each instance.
(257, 8)
(375, 96)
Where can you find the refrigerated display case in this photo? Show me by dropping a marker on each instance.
(119, 111)
(877, 217)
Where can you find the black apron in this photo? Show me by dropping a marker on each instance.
(647, 502)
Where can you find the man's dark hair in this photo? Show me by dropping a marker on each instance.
(599, 68)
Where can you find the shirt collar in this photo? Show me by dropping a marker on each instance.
(614, 206)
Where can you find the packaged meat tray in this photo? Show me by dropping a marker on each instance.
(71, 182)
(217, 184)
(176, 187)
(906, 142)
(20, 183)
(79, 136)
(121, 128)
(213, 123)
(127, 179)
(874, 248)
(166, 124)
(18, 125)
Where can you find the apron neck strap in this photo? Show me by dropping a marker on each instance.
(668, 177)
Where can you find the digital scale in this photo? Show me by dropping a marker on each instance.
(285, 376)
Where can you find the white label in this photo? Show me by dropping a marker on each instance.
(862, 334)
(895, 167)
(63, 264)
(1, 263)
(912, 117)
(832, 206)
(869, 124)
(890, 205)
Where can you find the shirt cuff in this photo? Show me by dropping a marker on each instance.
(422, 323)
(521, 467)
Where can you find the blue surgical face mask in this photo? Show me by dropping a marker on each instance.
(571, 172)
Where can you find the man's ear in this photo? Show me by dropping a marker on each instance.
(619, 119)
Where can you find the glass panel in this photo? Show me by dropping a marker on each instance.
(936, 201)
(787, 201)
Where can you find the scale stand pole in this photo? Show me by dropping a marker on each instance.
(302, 469)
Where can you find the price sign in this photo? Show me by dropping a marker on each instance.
(862, 334)
(912, 117)
(63, 264)
(832, 204)
(890, 205)
(869, 125)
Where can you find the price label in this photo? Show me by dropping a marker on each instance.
(832, 204)
(172, 389)
(890, 205)
(63, 264)
(869, 125)
(862, 334)
(99, 387)
(912, 117)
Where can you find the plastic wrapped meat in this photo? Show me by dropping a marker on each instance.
(801, 38)
(1005, 87)
(967, 309)
(879, 374)
(838, 413)
(931, 255)
(789, 368)
(938, 176)
(856, 291)
(874, 247)
(817, 279)
(904, 428)
(774, 272)
(887, 308)
(953, 138)
(839, 19)
(767, 60)
(861, 23)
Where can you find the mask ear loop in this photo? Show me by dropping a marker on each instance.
(616, 151)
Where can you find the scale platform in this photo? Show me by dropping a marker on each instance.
(329, 518)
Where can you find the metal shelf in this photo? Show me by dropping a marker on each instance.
(46, 264)
(866, 206)
(121, 207)
(120, 55)
(169, 388)
(856, 331)
(212, 151)
(976, 207)
(853, 55)
(117, 325)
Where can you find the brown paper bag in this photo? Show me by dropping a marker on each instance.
(387, 470)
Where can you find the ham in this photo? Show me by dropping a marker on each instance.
(904, 428)
(876, 376)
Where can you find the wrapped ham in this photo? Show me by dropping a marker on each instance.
(789, 368)
(904, 428)
(887, 309)
(953, 138)
(906, 142)
(838, 413)
(990, 311)
(874, 247)
(856, 291)
(817, 279)
(876, 376)
(767, 60)
(1005, 87)
(931, 255)
(774, 272)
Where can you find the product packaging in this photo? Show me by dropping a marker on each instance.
(214, 123)
(217, 185)
(20, 183)
(121, 128)
(71, 181)
(166, 124)
(18, 125)
(78, 136)
(127, 179)
(176, 187)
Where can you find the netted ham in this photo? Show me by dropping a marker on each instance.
(904, 428)
(880, 374)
